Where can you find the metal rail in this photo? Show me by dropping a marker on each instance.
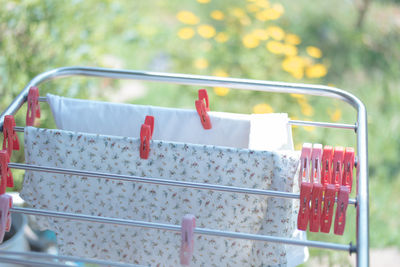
(177, 228)
(246, 84)
(50, 257)
(150, 180)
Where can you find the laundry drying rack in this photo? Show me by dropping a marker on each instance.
(361, 247)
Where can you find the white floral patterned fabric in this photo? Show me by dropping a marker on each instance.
(162, 204)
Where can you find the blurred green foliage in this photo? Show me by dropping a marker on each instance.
(36, 36)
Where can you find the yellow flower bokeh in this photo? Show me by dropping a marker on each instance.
(187, 17)
(294, 65)
(335, 115)
(217, 15)
(221, 37)
(206, 31)
(316, 71)
(252, 8)
(250, 41)
(186, 33)
(220, 73)
(221, 91)
(261, 34)
(262, 3)
(238, 12)
(203, 1)
(275, 47)
(276, 32)
(292, 39)
(262, 108)
(268, 14)
(289, 50)
(201, 63)
(314, 51)
(309, 128)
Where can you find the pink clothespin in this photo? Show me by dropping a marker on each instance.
(326, 165)
(337, 172)
(146, 133)
(202, 106)
(187, 233)
(10, 141)
(348, 165)
(5, 216)
(33, 110)
(305, 187)
(5, 172)
(341, 208)
(327, 211)
(317, 190)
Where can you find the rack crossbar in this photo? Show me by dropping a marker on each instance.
(149, 180)
(177, 228)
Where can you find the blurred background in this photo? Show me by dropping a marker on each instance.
(352, 45)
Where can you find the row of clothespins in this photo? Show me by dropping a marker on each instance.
(202, 105)
(326, 175)
(11, 142)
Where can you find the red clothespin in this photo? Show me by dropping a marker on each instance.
(10, 141)
(326, 166)
(187, 244)
(327, 210)
(5, 216)
(317, 190)
(146, 132)
(5, 172)
(305, 187)
(348, 165)
(341, 208)
(202, 106)
(33, 106)
(337, 166)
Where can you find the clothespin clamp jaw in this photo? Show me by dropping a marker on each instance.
(146, 133)
(326, 166)
(202, 106)
(341, 208)
(305, 187)
(327, 211)
(348, 165)
(317, 190)
(337, 163)
(187, 244)
(5, 172)
(33, 106)
(5, 215)
(10, 141)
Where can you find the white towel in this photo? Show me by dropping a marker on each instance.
(162, 204)
(257, 131)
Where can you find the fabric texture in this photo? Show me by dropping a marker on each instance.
(163, 204)
(257, 131)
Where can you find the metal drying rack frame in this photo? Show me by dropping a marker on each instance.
(360, 127)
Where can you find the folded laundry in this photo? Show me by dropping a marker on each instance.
(163, 204)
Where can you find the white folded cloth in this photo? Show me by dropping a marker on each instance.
(256, 131)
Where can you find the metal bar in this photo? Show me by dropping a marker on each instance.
(290, 122)
(245, 84)
(24, 262)
(66, 258)
(323, 124)
(159, 181)
(177, 228)
(362, 189)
